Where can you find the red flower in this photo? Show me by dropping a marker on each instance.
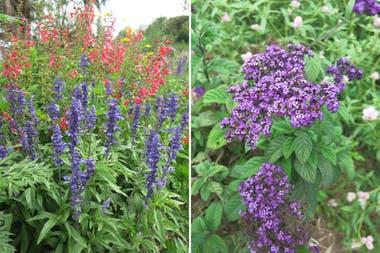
(186, 140)
(63, 123)
(138, 100)
(126, 103)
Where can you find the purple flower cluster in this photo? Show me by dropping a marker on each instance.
(153, 147)
(199, 91)
(113, 117)
(275, 85)
(274, 223)
(367, 7)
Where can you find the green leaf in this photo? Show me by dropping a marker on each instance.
(306, 171)
(215, 187)
(349, 8)
(46, 228)
(288, 148)
(327, 171)
(205, 192)
(196, 186)
(329, 153)
(274, 150)
(303, 145)
(198, 225)
(215, 244)
(213, 216)
(248, 169)
(216, 138)
(232, 206)
(347, 164)
(313, 68)
(218, 95)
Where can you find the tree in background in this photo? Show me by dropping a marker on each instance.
(176, 29)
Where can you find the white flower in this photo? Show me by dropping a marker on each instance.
(375, 76)
(370, 113)
(376, 21)
(246, 56)
(295, 4)
(351, 196)
(297, 23)
(332, 203)
(256, 27)
(226, 17)
(326, 10)
(363, 197)
(367, 241)
(345, 79)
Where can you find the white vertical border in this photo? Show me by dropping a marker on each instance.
(190, 137)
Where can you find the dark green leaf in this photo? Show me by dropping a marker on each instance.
(303, 145)
(213, 216)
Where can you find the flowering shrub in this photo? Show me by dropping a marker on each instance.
(92, 157)
(305, 100)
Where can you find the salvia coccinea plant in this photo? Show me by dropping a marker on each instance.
(274, 222)
(275, 85)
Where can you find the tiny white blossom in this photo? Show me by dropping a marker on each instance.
(256, 27)
(367, 241)
(363, 197)
(370, 114)
(376, 21)
(326, 10)
(295, 4)
(332, 203)
(375, 76)
(297, 23)
(226, 17)
(246, 56)
(351, 196)
(345, 79)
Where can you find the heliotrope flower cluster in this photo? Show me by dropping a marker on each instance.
(273, 221)
(275, 85)
(367, 7)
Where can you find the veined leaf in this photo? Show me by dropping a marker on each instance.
(213, 216)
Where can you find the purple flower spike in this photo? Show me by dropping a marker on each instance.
(58, 144)
(113, 117)
(3, 152)
(269, 212)
(153, 147)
